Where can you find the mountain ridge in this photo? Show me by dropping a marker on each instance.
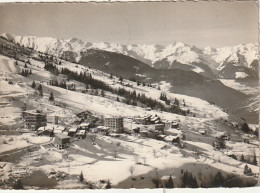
(210, 62)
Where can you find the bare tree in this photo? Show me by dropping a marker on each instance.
(115, 154)
(93, 138)
(136, 159)
(144, 160)
(131, 170)
(154, 153)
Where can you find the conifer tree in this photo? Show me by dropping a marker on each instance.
(102, 93)
(242, 158)
(33, 84)
(108, 186)
(218, 180)
(245, 127)
(254, 160)
(169, 183)
(40, 90)
(81, 177)
(51, 98)
(18, 185)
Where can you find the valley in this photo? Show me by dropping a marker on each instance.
(176, 122)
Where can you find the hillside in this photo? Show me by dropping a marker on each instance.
(182, 81)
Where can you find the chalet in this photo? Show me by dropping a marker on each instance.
(114, 135)
(172, 139)
(148, 119)
(84, 126)
(58, 129)
(140, 120)
(174, 132)
(72, 131)
(45, 132)
(103, 130)
(81, 134)
(93, 130)
(154, 119)
(175, 124)
(202, 131)
(144, 133)
(170, 125)
(157, 128)
(225, 137)
(160, 137)
(61, 141)
(136, 130)
(34, 119)
(54, 128)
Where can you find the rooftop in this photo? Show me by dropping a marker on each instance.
(84, 124)
(73, 129)
(34, 112)
(81, 132)
(62, 136)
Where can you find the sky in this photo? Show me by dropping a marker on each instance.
(214, 24)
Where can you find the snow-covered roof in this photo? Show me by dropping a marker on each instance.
(162, 136)
(34, 112)
(81, 132)
(170, 138)
(114, 134)
(157, 121)
(84, 124)
(41, 129)
(65, 133)
(44, 128)
(50, 127)
(147, 116)
(143, 131)
(139, 118)
(73, 129)
(167, 177)
(62, 136)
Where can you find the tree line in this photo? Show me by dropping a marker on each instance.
(131, 97)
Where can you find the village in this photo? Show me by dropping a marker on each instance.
(149, 126)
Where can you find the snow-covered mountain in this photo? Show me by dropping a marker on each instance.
(228, 62)
(238, 62)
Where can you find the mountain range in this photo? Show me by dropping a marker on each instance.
(184, 79)
(237, 62)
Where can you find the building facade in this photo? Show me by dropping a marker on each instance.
(61, 141)
(114, 123)
(34, 119)
(53, 119)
